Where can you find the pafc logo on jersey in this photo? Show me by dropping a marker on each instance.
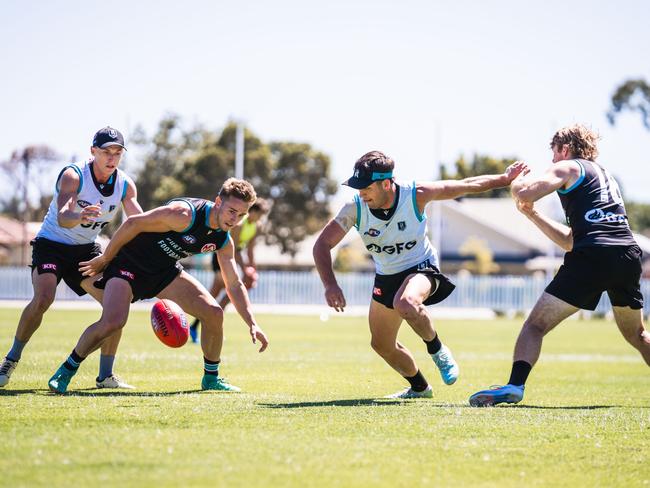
(209, 248)
(401, 225)
(189, 239)
(371, 232)
(83, 203)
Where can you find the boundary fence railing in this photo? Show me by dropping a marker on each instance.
(499, 293)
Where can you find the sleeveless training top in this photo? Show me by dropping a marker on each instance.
(157, 251)
(401, 242)
(594, 209)
(109, 195)
(247, 232)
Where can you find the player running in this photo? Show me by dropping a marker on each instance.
(86, 198)
(601, 255)
(389, 217)
(141, 261)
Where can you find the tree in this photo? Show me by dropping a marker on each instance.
(300, 189)
(197, 162)
(632, 95)
(480, 165)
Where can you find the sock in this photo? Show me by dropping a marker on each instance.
(16, 350)
(105, 366)
(195, 324)
(434, 345)
(418, 383)
(73, 361)
(211, 367)
(519, 374)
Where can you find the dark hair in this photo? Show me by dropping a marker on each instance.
(262, 206)
(241, 189)
(375, 161)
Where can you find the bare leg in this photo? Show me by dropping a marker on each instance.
(630, 323)
(408, 304)
(384, 326)
(115, 311)
(32, 316)
(194, 299)
(548, 312)
(109, 346)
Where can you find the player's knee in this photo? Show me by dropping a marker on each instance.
(382, 348)
(406, 307)
(42, 301)
(113, 322)
(535, 326)
(211, 314)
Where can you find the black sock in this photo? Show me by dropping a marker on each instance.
(195, 324)
(519, 374)
(211, 367)
(418, 383)
(74, 361)
(434, 345)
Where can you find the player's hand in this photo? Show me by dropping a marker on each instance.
(334, 297)
(526, 208)
(250, 277)
(258, 334)
(515, 170)
(90, 213)
(93, 267)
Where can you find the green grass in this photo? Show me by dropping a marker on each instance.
(310, 414)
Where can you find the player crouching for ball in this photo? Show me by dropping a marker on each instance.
(141, 261)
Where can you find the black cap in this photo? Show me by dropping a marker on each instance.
(363, 178)
(108, 137)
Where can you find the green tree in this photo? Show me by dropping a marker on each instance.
(479, 165)
(632, 95)
(300, 189)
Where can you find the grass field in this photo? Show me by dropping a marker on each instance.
(311, 413)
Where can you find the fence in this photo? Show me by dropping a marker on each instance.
(499, 293)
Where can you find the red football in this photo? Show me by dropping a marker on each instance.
(169, 323)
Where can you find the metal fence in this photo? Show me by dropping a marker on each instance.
(499, 293)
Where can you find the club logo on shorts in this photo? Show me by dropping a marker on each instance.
(83, 203)
(189, 239)
(51, 266)
(209, 247)
(401, 225)
(127, 274)
(376, 291)
(371, 232)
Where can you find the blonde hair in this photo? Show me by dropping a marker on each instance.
(240, 189)
(580, 139)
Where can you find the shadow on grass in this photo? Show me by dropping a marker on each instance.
(102, 392)
(355, 402)
(22, 392)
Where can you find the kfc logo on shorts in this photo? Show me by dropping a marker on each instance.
(51, 266)
(376, 291)
(209, 248)
(127, 274)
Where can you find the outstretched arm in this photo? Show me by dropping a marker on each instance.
(329, 237)
(238, 294)
(450, 189)
(175, 216)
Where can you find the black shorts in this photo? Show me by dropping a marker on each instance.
(63, 260)
(589, 271)
(386, 286)
(144, 283)
(215, 262)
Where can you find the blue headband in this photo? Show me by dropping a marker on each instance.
(381, 176)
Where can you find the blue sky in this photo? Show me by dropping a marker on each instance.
(421, 80)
